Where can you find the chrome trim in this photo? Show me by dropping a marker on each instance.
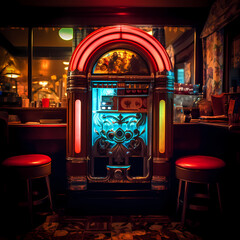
(117, 78)
(78, 88)
(160, 160)
(82, 159)
(76, 183)
(73, 75)
(140, 178)
(99, 179)
(159, 183)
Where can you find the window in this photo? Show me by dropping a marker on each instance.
(51, 55)
(13, 65)
(180, 75)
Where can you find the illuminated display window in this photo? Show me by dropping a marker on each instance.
(103, 99)
(119, 124)
(121, 61)
(119, 130)
(180, 75)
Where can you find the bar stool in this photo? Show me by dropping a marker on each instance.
(197, 169)
(28, 167)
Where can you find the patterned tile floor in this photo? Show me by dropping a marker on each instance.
(59, 227)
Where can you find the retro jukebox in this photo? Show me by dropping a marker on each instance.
(120, 95)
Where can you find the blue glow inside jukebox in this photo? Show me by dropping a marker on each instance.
(119, 127)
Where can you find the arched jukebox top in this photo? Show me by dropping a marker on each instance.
(107, 36)
(120, 87)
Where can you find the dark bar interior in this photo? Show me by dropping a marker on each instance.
(120, 119)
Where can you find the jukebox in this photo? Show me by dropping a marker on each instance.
(120, 95)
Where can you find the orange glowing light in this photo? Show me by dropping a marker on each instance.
(162, 125)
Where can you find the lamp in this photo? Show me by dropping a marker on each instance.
(43, 83)
(66, 33)
(12, 75)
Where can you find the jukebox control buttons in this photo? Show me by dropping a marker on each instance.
(118, 174)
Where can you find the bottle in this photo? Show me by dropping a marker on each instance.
(25, 102)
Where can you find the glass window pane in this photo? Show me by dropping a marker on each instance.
(13, 65)
(180, 75)
(51, 55)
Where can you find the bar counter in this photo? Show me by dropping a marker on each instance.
(49, 139)
(41, 125)
(196, 137)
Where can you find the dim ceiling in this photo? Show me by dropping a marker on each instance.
(116, 3)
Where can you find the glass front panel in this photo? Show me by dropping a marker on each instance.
(119, 127)
(120, 61)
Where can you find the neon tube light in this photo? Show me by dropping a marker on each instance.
(162, 126)
(143, 50)
(93, 46)
(90, 39)
(77, 126)
(81, 55)
(148, 46)
(161, 51)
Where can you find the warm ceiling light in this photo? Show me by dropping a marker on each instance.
(12, 75)
(150, 32)
(66, 68)
(43, 83)
(66, 33)
(53, 77)
(66, 63)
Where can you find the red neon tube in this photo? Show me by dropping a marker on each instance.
(86, 43)
(77, 126)
(152, 40)
(148, 46)
(93, 46)
(103, 35)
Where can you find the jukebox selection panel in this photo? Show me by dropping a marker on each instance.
(120, 96)
(119, 127)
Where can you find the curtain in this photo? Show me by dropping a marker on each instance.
(213, 63)
(221, 13)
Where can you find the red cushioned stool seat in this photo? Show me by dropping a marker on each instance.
(28, 160)
(197, 169)
(200, 162)
(28, 167)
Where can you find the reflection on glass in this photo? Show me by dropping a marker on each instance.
(49, 66)
(13, 65)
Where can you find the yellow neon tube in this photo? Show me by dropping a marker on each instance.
(162, 125)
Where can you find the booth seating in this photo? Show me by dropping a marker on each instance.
(28, 167)
(197, 169)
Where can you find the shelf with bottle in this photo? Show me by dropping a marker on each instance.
(186, 89)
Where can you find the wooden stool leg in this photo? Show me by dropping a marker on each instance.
(219, 197)
(179, 193)
(185, 202)
(30, 202)
(49, 192)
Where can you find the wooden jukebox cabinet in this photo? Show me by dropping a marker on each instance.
(120, 96)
